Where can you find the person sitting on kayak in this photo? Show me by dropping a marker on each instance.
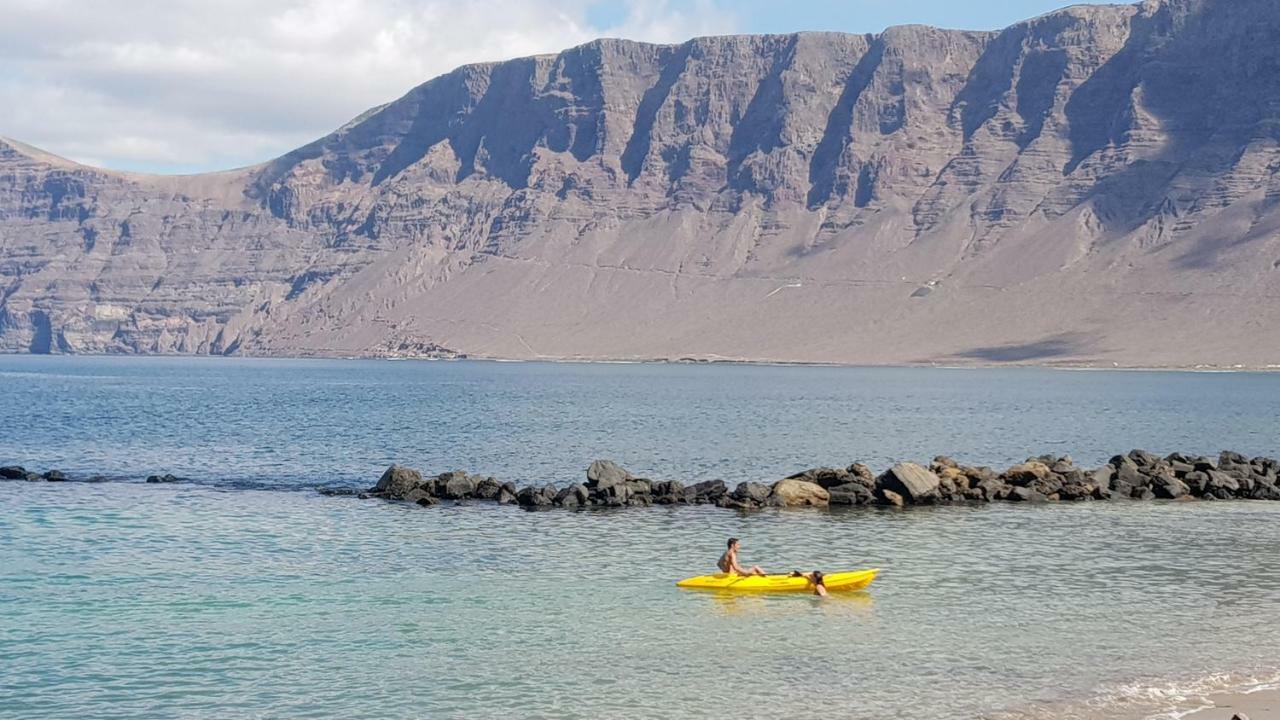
(729, 561)
(815, 577)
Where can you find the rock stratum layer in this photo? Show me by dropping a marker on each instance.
(1099, 185)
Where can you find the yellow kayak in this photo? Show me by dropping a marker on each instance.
(854, 580)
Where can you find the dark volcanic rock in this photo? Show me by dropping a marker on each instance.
(852, 493)
(506, 495)
(166, 478)
(576, 495)
(910, 481)
(13, 472)
(398, 481)
(337, 491)
(1023, 494)
(603, 474)
(706, 492)
(55, 476)
(533, 497)
(862, 475)
(487, 489)
(420, 496)
(454, 485)
(752, 492)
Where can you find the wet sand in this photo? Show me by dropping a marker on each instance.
(1261, 705)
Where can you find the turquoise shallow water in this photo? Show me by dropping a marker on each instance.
(211, 600)
(136, 601)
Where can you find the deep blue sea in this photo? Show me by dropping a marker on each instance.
(244, 594)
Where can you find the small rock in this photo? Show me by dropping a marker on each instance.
(336, 491)
(166, 478)
(13, 472)
(55, 476)
(889, 497)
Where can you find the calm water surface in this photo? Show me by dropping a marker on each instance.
(287, 422)
(211, 600)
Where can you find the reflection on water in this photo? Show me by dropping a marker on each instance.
(767, 606)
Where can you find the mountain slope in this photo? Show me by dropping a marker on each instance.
(1098, 185)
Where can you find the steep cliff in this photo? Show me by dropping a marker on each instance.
(1097, 185)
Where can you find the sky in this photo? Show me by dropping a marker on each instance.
(181, 86)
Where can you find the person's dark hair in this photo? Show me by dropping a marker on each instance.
(817, 577)
(731, 543)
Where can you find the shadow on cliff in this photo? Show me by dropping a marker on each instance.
(1066, 345)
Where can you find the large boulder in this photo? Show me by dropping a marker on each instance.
(398, 481)
(911, 481)
(1169, 487)
(851, 493)
(798, 493)
(668, 492)
(420, 496)
(752, 492)
(990, 488)
(533, 497)
(606, 474)
(13, 472)
(707, 491)
(1222, 484)
(455, 485)
(1027, 473)
(1023, 494)
(824, 477)
(487, 489)
(506, 494)
(575, 495)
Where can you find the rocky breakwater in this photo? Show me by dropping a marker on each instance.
(1139, 475)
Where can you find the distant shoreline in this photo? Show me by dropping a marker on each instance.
(950, 365)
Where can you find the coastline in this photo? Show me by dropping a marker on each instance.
(1256, 704)
(948, 364)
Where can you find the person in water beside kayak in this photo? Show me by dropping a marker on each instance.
(815, 577)
(729, 561)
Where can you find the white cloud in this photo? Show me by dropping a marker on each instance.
(181, 85)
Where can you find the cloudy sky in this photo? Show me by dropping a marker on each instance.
(190, 85)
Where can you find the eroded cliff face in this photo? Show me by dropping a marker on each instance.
(1097, 185)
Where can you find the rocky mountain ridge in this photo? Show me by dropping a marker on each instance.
(1096, 186)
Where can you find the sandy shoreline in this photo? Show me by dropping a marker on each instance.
(1259, 705)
